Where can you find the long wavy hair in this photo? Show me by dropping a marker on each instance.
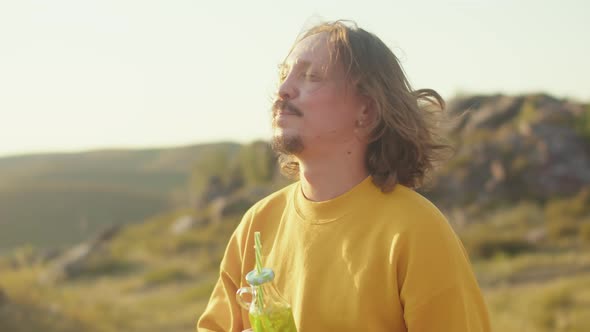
(405, 142)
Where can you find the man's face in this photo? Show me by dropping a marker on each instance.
(317, 107)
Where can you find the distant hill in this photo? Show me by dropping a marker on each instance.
(61, 199)
(161, 169)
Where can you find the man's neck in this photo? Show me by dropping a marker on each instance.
(332, 175)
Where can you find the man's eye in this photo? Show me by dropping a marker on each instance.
(312, 77)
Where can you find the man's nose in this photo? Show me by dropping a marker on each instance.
(288, 89)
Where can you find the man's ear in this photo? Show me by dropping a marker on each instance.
(365, 120)
(366, 115)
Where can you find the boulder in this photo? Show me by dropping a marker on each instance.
(73, 261)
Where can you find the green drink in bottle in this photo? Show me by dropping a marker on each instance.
(268, 311)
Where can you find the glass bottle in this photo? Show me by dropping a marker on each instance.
(268, 311)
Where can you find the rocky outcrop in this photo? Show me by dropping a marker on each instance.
(213, 190)
(511, 148)
(73, 261)
(187, 222)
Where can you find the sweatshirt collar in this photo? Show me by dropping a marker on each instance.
(335, 208)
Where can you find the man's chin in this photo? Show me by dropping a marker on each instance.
(287, 144)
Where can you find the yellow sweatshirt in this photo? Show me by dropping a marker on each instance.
(363, 261)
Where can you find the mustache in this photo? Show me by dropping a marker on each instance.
(285, 106)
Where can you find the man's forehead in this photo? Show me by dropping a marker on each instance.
(310, 50)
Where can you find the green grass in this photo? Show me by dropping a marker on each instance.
(558, 305)
(518, 298)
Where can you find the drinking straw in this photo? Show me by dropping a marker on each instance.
(258, 250)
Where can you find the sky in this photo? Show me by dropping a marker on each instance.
(91, 74)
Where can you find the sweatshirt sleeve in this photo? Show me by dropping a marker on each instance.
(438, 288)
(223, 313)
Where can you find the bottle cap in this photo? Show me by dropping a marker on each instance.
(256, 279)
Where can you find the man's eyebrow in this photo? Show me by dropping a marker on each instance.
(297, 64)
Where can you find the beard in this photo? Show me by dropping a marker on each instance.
(287, 145)
(282, 143)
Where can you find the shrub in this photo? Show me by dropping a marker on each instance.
(550, 306)
(487, 245)
(164, 276)
(582, 124)
(574, 207)
(106, 265)
(200, 292)
(559, 228)
(585, 232)
(563, 216)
